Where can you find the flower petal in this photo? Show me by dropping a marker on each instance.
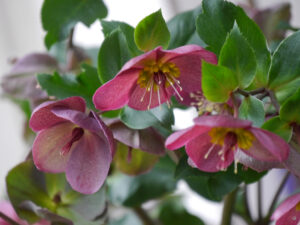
(89, 164)
(222, 121)
(151, 141)
(268, 144)
(47, 146)
(292, 217)
(286, 206)
(182, 137)
(115, 93)
(200, 146)
(42, 117)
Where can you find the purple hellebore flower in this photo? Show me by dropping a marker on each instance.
(70, 141)
(288, 212)
(149, 80)
(213, 142)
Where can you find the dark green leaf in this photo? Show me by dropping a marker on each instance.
(135, 119)
(59, 17)
(218, 82)
(215, 22)
(252, 109)
(63, 86)
(290, 110)
(237, 55)
(257, 41)
(279, 127)
(151, 32)
(284, 77)
(113, 54)
(133, 191)
(182, 27)
(109, 26)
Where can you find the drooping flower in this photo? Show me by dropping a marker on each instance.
(149, 80)
(7, 209)
(213, 142)
(288, 212)
(70, 141)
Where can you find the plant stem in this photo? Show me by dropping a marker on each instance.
(7, 219)
(70, 40)
(277, 194)
(254, 92)
(246, 204)
(274, 100)
(228, 207)
(259, 199)
(142, 214)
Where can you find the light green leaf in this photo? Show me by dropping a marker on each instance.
(252, 109)
(279, 127)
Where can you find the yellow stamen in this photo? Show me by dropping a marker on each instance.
(298, 207)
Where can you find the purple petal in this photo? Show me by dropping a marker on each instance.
(151, 141)
(200, 146)
(292, 163)
(182, 137)
(115, 93)
(286, 206)
(89, 164)
(269, 144)
(222, 121)
(48, 145)
(42, 117)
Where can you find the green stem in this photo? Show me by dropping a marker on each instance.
(246, 204)
(142, 214)
(259, 199)
(228, 207)
(7, 219)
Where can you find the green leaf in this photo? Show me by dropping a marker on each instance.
(279, 127)
(290, 110)
(237, 55)
(252, 109)
(109, 26)
(59, 17)
(214, 186)
(135, 119)
(218, 82)
(284, 77)
(23, 183)
(172, 212)
(257, 41)
(133, 191)
(63, 86)
(215, 22)
(182, 27)
(113, 54)
(133, 161)
(128, 219)
(151, 32)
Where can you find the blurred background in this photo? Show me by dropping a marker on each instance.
(22, 33)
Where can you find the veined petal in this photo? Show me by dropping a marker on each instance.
(292, 163)
(286, 206)
(47, 147)
(89, 164)
(222, 121)
(206, 155)
(269, 144)
(292, 217)
(182, 137)
(115, 93)
(42, 116)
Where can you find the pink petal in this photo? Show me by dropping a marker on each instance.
(269, 144)
(199, 147)
(42, 117)
(182, 137)
(7, 209)
(292, 217)
(89, 164)
(137, 102)
(115, 93)
(222, 121)
(286, 206)
(292, 163)
(47, 146)
(78, 118)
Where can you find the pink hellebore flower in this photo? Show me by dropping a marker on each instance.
(69, 140)
(7, 209)
(149, 80)
(213, 141)
(288, 212)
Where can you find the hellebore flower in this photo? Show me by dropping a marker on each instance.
(7, 209)
(149, 80)
(69, 140)
(288, 212)
(213, 142)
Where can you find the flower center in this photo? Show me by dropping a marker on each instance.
(298, 207)
(156, 76)
(77, 133)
